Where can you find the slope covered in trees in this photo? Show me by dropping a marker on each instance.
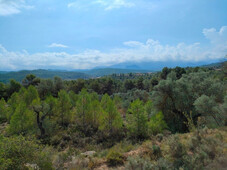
(61, 119)
(65, 75)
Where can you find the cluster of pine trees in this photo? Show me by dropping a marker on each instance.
(27, 114)
(115, 107)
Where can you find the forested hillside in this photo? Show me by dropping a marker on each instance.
(173, 119)
(5, 77)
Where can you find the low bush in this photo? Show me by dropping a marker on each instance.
(114, 158)
(135, 163)
(16, 152)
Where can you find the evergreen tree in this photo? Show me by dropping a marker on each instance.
(30, 94)
(64, 108)
(111, 120)
(157, 123)
(3, 111)
(83, 108)
(137, 120)
(22, 121)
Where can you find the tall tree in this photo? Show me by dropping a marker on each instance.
(84, 111)
(22, 121)
(64, 108)
(42, 110)
(30, 79)
(30, 94)
(137, 120)
(111, 120)
(3, 111)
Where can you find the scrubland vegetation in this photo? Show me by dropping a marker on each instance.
(173, 119)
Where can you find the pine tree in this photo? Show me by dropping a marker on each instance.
(64, 108)
(111, 120)
(22, 120)
(83, 109)
(137, 120)
(30, 94)
(3, 111)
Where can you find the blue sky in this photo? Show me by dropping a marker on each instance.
(82, 34)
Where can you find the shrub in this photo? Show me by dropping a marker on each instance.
(16, 152)
(177, 151)
(157, 123)
(135, 163)
(114, 158)
(153, 151)
(205, 149)
(164, 164)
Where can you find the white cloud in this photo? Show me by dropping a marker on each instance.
(57, 45)
(114, 4)
(106, 4)
(133, 51)
(10, 7)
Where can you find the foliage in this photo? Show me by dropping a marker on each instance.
(138, 163)
(16, 152)
(22, 121)
(111, 120)
(114, 158)
(64, 109)
(157, 123)
(137, 120)
(3, 111)
(175, 97)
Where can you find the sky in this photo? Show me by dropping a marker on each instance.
(85, 34)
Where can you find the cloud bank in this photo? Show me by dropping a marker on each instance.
(10, 7)
(53, 45)
(133, 51)
(106, 4)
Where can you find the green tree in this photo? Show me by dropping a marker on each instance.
(30, 94)
(139, 83)
(129, 85)
(165, 72)
(42, 111)
(3, 92)
(3, 111)
(13, 103)
(157, 123)
(149, 108)
(64, 108)
(177, 97)
(45, 88)
(30, 79)
(83, 109)
(14, 86)
(22, 121)
(111, 120)
(207, 106)
(58, 85)
(16, 152)
(137, 120)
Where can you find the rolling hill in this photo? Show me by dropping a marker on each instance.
(66, 75)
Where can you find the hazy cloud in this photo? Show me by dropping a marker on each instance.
(113, 4)
(106, 4)
(10, 7)
(133, 51)
(57, 45)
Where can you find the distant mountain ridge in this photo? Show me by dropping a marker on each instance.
(66, 75)
(122, 68)
(20, 75)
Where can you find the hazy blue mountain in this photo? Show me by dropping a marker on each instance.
(158, 65)
(97, 72)
(20, 75)
(108, 71)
